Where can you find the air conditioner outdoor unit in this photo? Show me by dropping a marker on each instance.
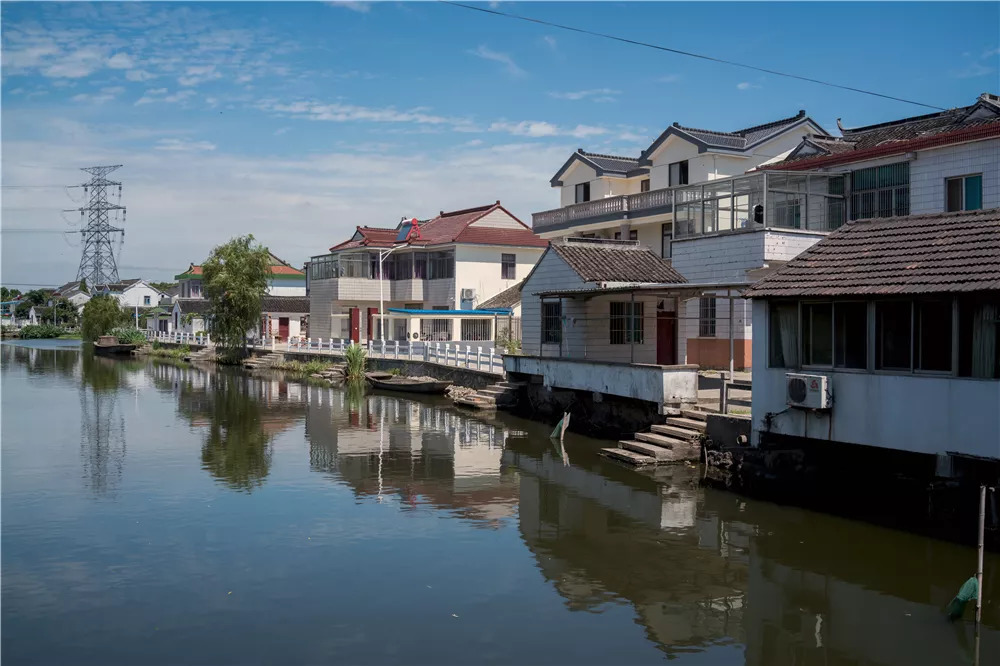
(808, 391)
(468, 294)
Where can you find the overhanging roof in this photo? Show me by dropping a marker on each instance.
(674, 289)
(430, 314)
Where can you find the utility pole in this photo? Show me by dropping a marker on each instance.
(97, 263)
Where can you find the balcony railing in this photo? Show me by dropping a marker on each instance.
(624, 206)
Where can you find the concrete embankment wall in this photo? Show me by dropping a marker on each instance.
(415, 368)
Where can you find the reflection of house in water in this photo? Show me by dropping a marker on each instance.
(387, 446)
(600, 538)
(794, 587)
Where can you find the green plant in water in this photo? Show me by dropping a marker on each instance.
(40, 331)
(394, 371)
(357, 360)
(129, 336)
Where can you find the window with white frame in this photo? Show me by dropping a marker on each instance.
(146, 300)
(626, 323)
(964, 193)
(508, 266)
(706, 317)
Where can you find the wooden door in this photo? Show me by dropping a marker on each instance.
(355, 325)
(371, 322)
(666, 340)
(283, 328)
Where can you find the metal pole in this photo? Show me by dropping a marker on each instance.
(979, 555)
(630, 324)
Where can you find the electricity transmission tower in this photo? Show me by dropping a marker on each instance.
(97, 263)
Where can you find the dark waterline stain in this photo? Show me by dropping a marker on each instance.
(155, 513)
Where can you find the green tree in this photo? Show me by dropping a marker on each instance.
(235, 281)
(162, 286)
(9, 294)
(101, 314)
(32, 298)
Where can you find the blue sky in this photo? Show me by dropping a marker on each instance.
(299, 121)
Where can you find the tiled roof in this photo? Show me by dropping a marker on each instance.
(595, 263)
(614, 165)
(919, 254)
(68, 289)
(195, 305)
(294, 304)
(894, 135)
(279, 268)
(741, 139)
(507, 298)
(453, 227)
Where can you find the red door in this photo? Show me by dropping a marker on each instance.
(283, 328)
(666, 343)
(355, 325)
(371, 322)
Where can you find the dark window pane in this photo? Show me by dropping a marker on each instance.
(706, 317)
(817, 333)
(582, 192)
(892, 335)
(850, 335)
(644, 185)
(954, 194)
(973, 192)
(551, 323)
(783, 335)
(934, 335)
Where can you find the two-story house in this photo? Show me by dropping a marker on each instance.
(721, 233)
(427, 277)
(131, 293)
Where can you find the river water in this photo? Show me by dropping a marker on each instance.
(155, 513)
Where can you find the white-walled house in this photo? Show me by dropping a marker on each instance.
(72, 292)
(131, 293)
(285, 280)
(899, 317)
(450, 264)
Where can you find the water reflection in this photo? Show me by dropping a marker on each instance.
(307, 529)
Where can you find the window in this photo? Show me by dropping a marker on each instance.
(783, 335)
(508, 266)
(933, 319)
(323, 268)
(626, 323)
(666, 231)
(706, 317)
(476, 329)
(552, 323)
(633, 235)
(893, 334)
(420, 265)
(582, 192)
(644, 185)
(882, 191)
(145, 300)
(964, 193)
(979, 337)
(850, 335)
(441, 265)
(817, 334)
(678, 173)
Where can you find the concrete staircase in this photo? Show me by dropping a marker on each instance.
(678, 439)
(501, 394)
(266, 361)
(206, 355)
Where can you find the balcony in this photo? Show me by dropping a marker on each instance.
(622, 207)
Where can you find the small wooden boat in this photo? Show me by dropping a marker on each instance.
(108, 345)
(410, 384)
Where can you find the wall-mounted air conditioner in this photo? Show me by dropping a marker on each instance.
(468, 294)
(808, 391)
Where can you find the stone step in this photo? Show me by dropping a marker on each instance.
(510, 385)
(662, 440)
(629, 456)
(674, 431)
(659, 453)
(695, 414)
(691, 424)
(491, 390)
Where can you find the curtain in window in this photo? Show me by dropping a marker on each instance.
(788, 323)
(984, 340)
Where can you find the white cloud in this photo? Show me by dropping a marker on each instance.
(159, 95)
(360, 7)
(972, 71)
(244, 78)
(139, 75)
(337, 112)
(669, 78)
(746, 85)
(484, 52)
(539, 128)
(551, 42)
(82, 62)
(184, 145)
(595, 95)
(199, 74)
(105, 95)
(121, 60)
(281, 130)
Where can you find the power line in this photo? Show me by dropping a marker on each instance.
(689, 54)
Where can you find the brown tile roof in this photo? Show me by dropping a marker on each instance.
(919, 254)
(507, 298)
(601, 263)
(453, 227)
(294, 304)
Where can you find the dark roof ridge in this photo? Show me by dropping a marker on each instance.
(746, 130)
(613, 157)
(474, 209)
(983, 212)
(903, 121)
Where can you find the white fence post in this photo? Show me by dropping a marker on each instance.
(383, 348)
(447, 352)
(409, 350)
(468, 351)
(395, 348)
(479, 358)
(492, 351)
